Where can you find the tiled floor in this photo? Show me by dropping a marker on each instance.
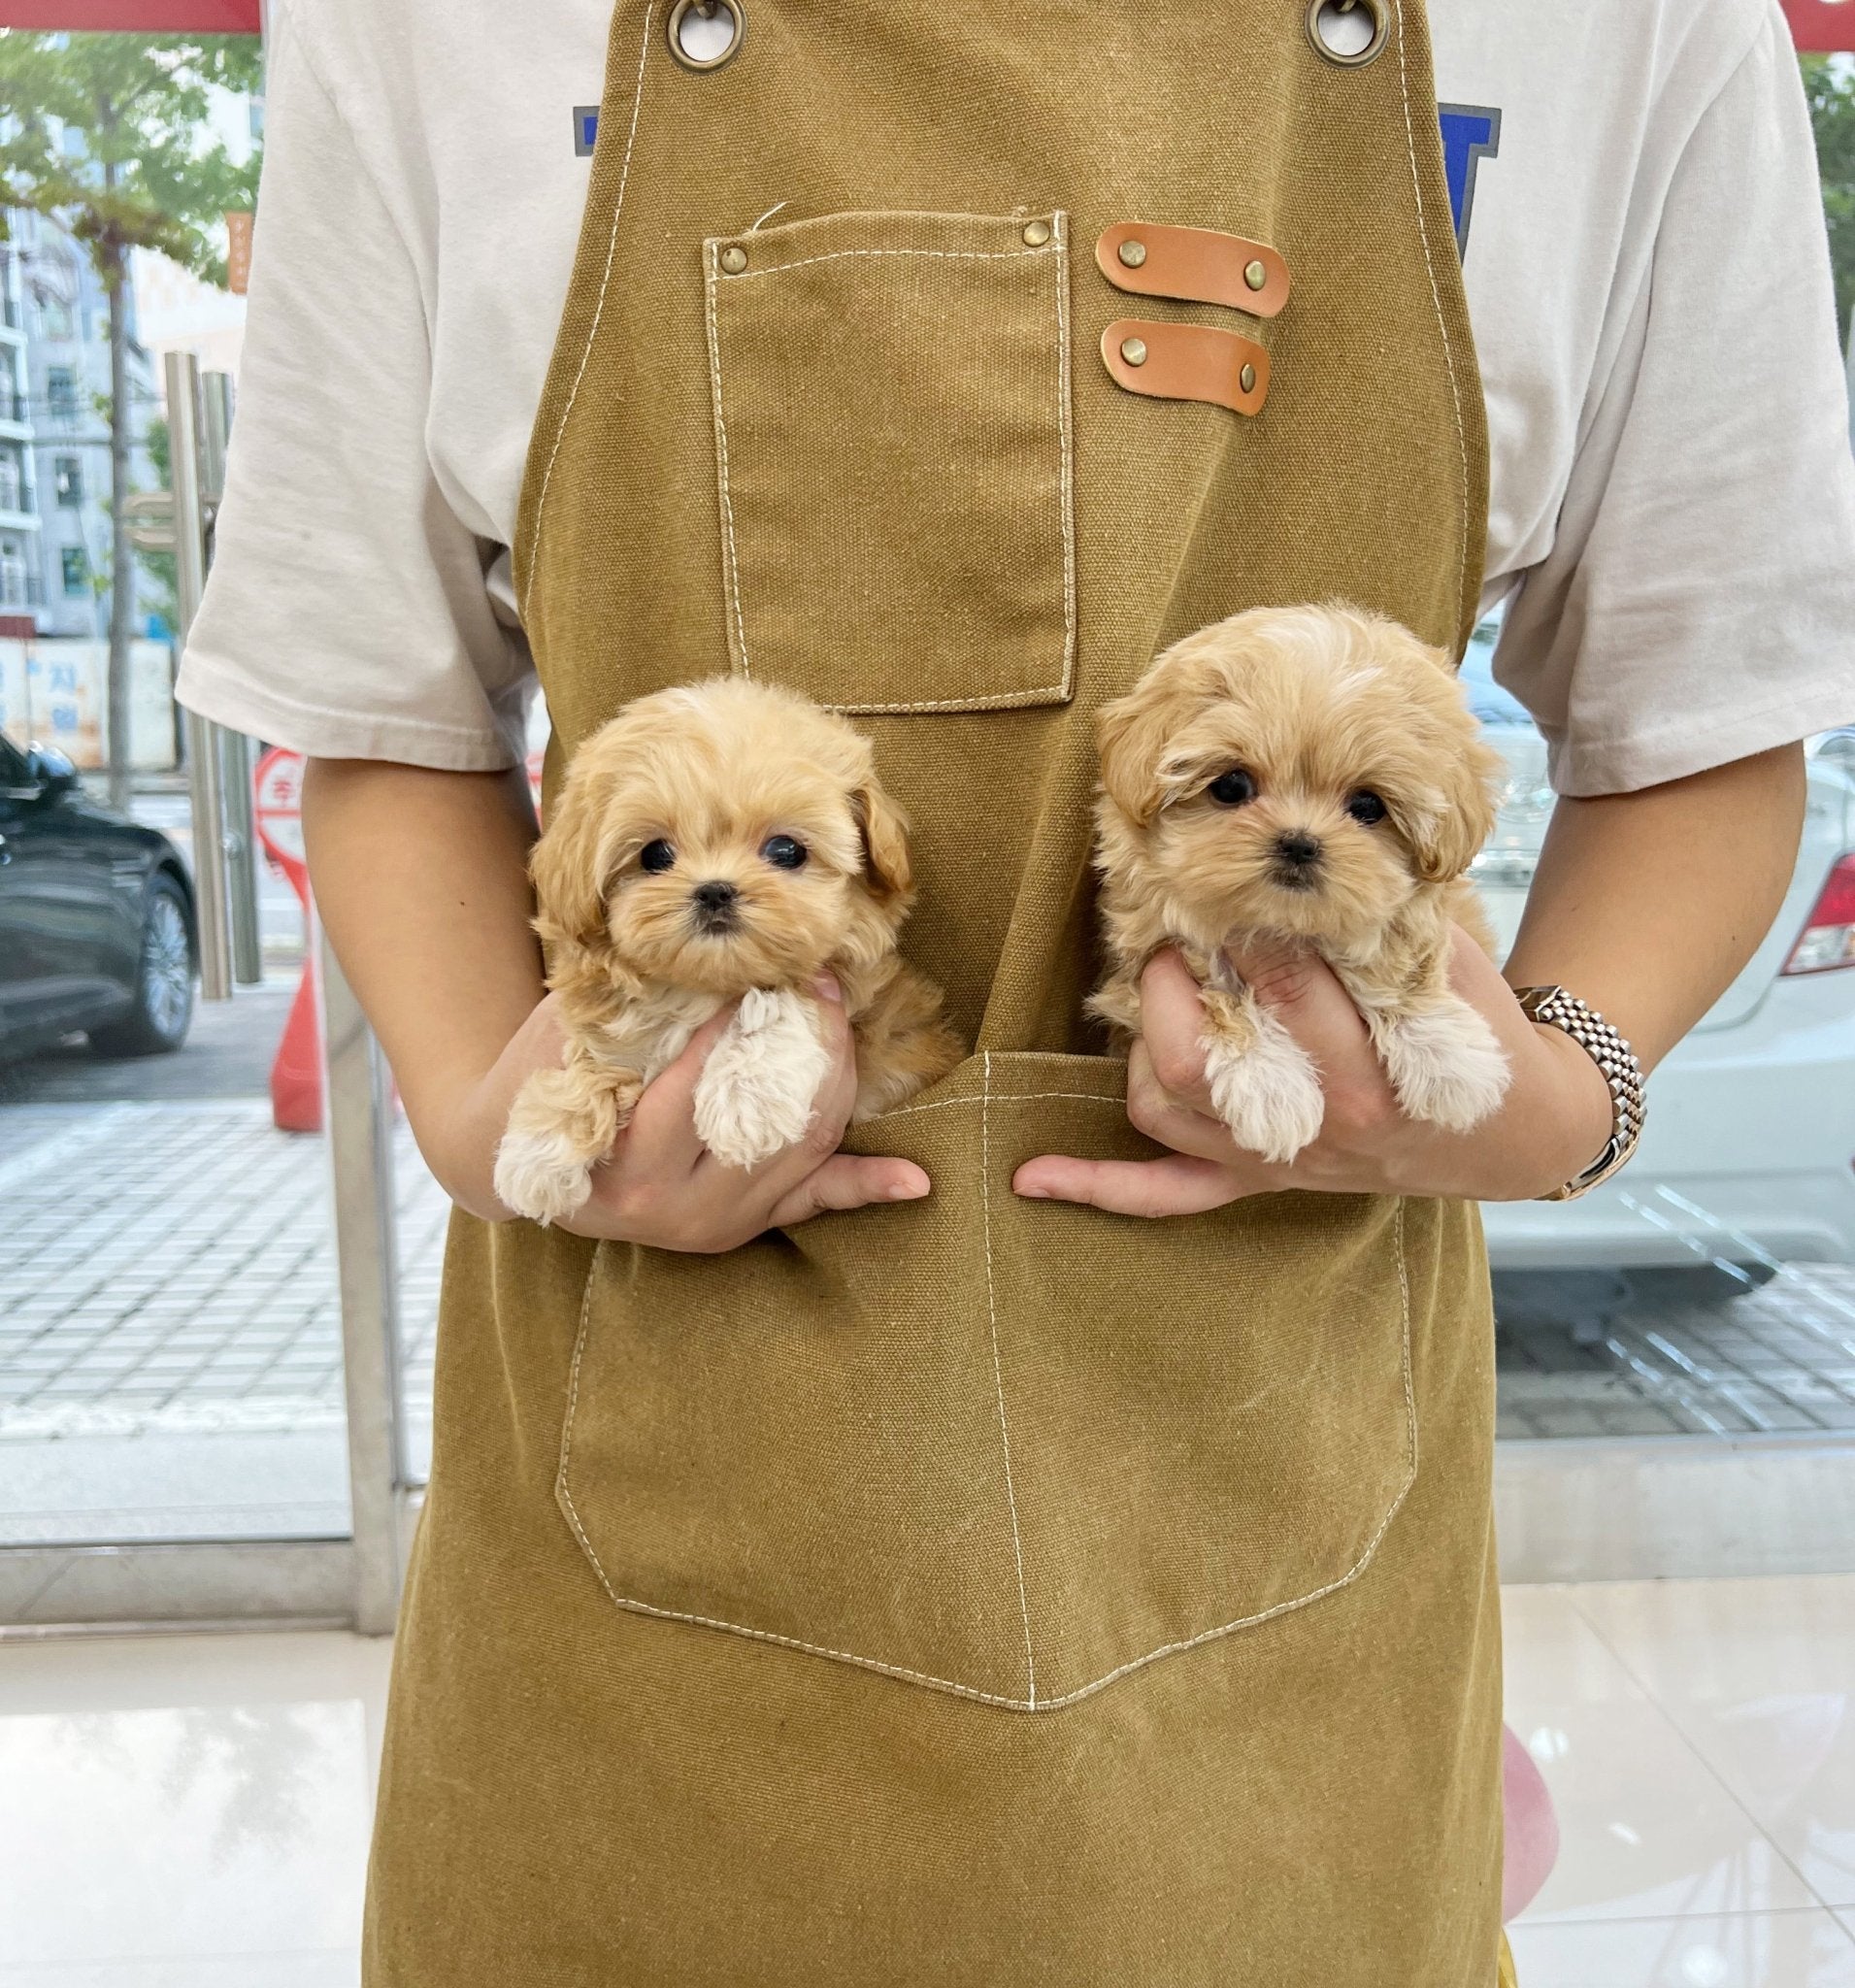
(171, 1267)
(168, 1270)
(191, 1812)
(1695, 1352)
(169, 1330)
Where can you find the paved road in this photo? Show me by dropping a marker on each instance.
(227, 1055)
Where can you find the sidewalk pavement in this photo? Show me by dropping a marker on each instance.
(169, 1346)
(168, 1298)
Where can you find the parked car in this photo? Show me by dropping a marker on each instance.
(97, 929)
(1748, 1154)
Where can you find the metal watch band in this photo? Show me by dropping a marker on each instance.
(1561, 1009)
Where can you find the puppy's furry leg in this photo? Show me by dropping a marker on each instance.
(904, 1044)
(759, 1088)
(1264, 1085)
(1443, 1060)
(562, 1124)
(1117, 1001)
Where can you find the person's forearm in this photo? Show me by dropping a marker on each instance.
(1647, 904)
(420, 880)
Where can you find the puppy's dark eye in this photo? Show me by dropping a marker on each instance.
(1233, 788)
(1365, 808)
(783, 852)
(657, 857)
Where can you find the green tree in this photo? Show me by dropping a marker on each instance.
(107, 135)
(162, 567)
(1829, 81)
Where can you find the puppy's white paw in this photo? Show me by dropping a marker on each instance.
(541, 1177)
(1269, 1094)
(1445, 1065)
(759, 1088)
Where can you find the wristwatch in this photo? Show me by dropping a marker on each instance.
(1613, 1056)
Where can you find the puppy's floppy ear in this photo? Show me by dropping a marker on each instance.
(885, 842)
(567, 866)
(1135, 736)
(1446, 840)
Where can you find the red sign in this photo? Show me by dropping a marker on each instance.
(278, 806)
(296, 1069)
(1818, 26)
(136, 16)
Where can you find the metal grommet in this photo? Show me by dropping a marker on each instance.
(1246, 378)
(1037, 233)
(1133, 252)
(1348, 32)
(1134, 351)
(734, 258)
(704, 34)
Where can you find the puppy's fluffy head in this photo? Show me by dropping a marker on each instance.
(1304, 771)
(720, 837)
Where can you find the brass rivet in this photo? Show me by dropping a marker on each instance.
(1248, 377)
(693, 38)
(1133, 254)
(1348, 32)
(1134, 351)
(1037, 233)
(733, 259)
(1255, 275)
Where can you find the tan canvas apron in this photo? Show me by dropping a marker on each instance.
(976, 1591)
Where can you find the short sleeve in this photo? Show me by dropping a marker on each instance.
(1698, 604)
(348, 612)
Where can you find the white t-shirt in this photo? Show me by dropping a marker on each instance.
(1636, 192)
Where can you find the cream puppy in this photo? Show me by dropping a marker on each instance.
(1309, 775)
(722, 842)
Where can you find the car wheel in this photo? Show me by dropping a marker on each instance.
(163, 1009)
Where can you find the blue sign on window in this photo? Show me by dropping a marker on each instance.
(1471, 133)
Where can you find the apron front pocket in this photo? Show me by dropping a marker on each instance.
(893, 455)
(1010, 1449)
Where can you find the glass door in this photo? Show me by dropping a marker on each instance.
(1676, 1351)
(197, 1267)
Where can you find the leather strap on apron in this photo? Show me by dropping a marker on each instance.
(974, 1591)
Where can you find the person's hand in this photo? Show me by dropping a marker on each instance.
(1551, 1124)
(661, 1185)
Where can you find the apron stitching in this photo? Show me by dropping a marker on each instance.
(937, 254)
(998, 1373)
(1443, 321)
(1033, 1703)
(998, 700)
(1063, 422)
(1056, 250)
(1004, 1097)
(721, 465)
(599, 310)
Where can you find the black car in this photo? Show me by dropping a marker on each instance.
(97, 928)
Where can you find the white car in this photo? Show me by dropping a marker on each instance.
(1748, 1154)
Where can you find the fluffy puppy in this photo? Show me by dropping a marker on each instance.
(1311, 775)
(725, 842)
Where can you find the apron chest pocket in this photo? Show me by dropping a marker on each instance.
(1008, 1449)
(893, 455)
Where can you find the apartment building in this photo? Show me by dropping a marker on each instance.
(54, 431)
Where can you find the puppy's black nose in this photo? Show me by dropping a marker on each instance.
(1298, 848)
(712, 905)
